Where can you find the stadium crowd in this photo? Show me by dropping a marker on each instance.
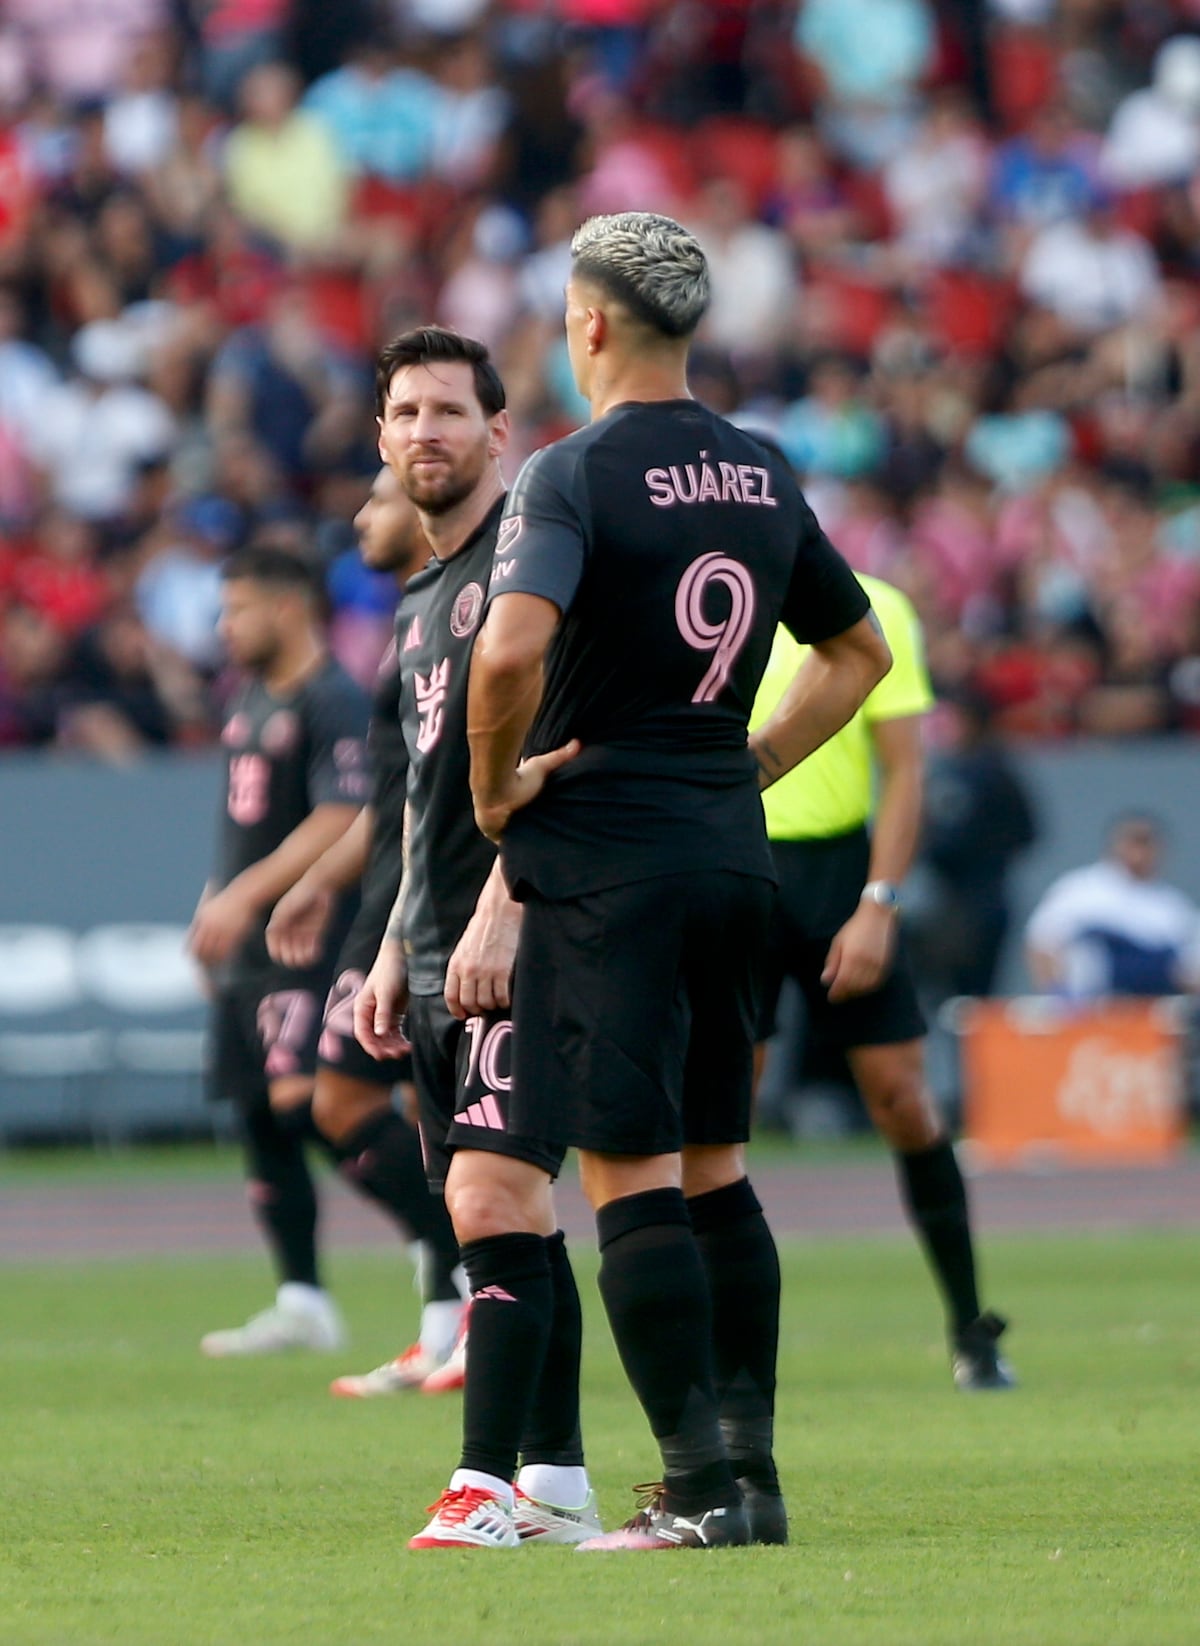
(955, 250)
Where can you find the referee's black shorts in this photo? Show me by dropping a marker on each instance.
(463, 1073)
(634, 1013)
(820, 882)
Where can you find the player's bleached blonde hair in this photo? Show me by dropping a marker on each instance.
(649, 263)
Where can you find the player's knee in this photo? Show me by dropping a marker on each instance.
(488, 1196)
(900, 1106)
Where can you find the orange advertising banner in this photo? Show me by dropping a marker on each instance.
(1060, 1081)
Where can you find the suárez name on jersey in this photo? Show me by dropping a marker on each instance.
(705, 483)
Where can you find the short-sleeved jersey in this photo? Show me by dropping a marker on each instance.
(448, 858)
(673, 544)
(389, 767)
(832, 791)
(284, 757)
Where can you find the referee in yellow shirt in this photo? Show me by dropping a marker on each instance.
(837, 934)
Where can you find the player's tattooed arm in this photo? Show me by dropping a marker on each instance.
(394, 929)
(770, 762)
(827, 689)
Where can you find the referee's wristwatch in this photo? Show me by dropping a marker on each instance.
(882, 893)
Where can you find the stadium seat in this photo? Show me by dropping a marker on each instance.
(141, 974)
(43, 1072)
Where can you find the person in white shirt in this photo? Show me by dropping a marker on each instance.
(1115, 927)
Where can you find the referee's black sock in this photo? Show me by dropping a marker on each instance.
(382, 1158)
(654, 1289)
(552, 1433)
(512, 1301)
(936, 1197)
(282, 1193)
(742, 1264)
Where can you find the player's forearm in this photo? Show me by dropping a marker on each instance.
(502, 701)
(830, 686)
(343, 864)
(265, 882)
(896, 827)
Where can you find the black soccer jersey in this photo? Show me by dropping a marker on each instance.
(389, 766)
(673, 544)
(284, 757)
(448, 858)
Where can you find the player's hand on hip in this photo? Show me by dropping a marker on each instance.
(220, 925)
(860, 956)
(479, 976)
(526, 784)
(298, 924)
(381, 1003)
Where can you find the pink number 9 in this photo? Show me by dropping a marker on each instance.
(725, 639)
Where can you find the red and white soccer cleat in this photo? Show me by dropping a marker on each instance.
(452, 1374)
(468, 1517)
(407, 1371)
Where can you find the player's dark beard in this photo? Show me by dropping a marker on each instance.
(439, 494)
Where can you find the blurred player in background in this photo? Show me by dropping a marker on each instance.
(296, 777)
(379, 1150)
(447, 957)
(836, 931)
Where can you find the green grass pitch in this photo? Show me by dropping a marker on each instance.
(147, 1496)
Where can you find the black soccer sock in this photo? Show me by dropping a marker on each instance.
(738, 1251)
(552, 1433)
(936, 1197)
(653, 1285)
(512, 1302)
(282, 1192)
(382, 1159)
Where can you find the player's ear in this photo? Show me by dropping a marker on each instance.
(379, 440)
(596, 331)
(499, 429)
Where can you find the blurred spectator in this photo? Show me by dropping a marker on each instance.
(383, 118)
(1090, 273)
(751, 268)
(978, 820)
(94, 430)
(1116, 927)
(32, 656)
(140, 121)
(285, 387)
(832, 429)
(237, 36)
(935, 185)
(124, 692)
(1154, 137)
(178, 590)
(60, 577)
(867, 95)
(283, 168)
(78, 51)
(472, 112)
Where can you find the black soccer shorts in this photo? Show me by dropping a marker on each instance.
(820, 882)
(635, 1011)
(264, 1028)
(337, 1048)
(464, 1078)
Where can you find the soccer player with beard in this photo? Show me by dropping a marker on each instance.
(447, 957)
(379, 1152)
(643, 565)
(296, 777)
